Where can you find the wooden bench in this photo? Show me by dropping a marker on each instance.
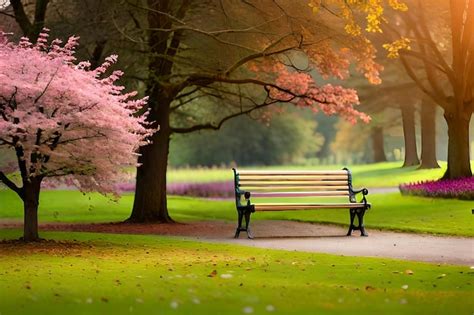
(332, 186)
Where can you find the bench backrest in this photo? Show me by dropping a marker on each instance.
(267, 184)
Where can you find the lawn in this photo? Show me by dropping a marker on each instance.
(125, 274)
(389, 211)
(386, 174)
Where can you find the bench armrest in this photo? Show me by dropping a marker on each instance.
(364, 191)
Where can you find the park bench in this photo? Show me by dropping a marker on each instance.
(331, 186)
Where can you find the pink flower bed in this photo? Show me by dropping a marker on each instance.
(203, 190)
(452, 188)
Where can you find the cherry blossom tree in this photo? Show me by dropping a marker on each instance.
(63, 121)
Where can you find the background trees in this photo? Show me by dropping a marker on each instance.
(60, 119)
(285, 139)
(440, 61)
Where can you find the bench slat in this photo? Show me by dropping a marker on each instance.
(301, 194)
(276, 172)
(316, 181)
(293, 176)
(279, 188)
(305, 206)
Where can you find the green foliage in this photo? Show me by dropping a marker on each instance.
(126, 274)
(389, 211)
(285, 139)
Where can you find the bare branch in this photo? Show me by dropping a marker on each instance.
(4, 179)
(264, 53)
(211, 126)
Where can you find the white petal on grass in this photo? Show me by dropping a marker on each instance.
(270, 308)
(247, 310)
(405, 286)
(226, 276)
(174, 304)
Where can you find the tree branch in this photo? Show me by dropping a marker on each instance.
(21, 17)
(210, 126)
(4, 179)
(265, 52)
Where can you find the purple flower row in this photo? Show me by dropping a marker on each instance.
(451, 188)
(203, 190)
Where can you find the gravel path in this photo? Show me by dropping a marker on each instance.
(331, 239)
(297, 236)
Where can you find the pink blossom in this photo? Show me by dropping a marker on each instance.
(302, 90)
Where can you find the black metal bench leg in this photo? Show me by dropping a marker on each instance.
(247, 222)
(239, 223)
(360, 217)
(352, 213)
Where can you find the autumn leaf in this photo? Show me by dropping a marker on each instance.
(213, 274)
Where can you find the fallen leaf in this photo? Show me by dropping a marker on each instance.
(213, 274)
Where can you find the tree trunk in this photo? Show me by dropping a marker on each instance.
(409, 135)
(31, 191)
(428, 135)
(377, 145)
(150, 204)
(459, 165)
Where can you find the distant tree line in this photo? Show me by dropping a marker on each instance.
(285, 139)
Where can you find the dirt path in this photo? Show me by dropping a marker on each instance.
(298, 236)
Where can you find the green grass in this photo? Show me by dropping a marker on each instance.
(390, 211)
(386, 174)
(125, 274)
